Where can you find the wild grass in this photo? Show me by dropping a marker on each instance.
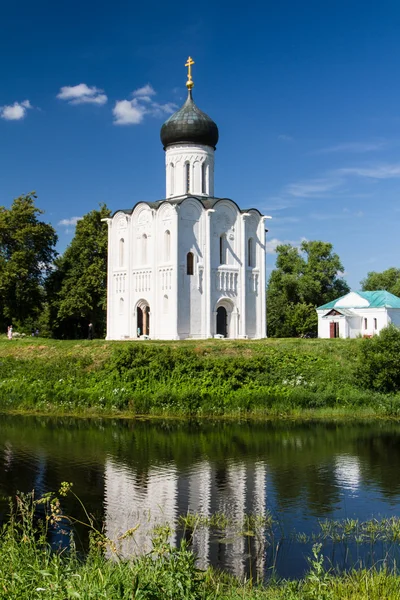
(268, 378)
(31, 569)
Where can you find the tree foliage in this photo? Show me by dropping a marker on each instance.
(387, 280)
(379, 363)
(27, 250)
(302, 280)
(77, 288)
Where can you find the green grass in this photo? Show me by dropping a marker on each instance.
(258, 379)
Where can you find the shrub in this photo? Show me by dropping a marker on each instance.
(379, 362)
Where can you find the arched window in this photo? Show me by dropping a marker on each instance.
(204, 178)
(189, 263)
(223, 247)
(187, 177)
(167, 246)
(165, 304)
(121, 252)
(144, 249)
(172, 180)
(121, 306)
(250, 252)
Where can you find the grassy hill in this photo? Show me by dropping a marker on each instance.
(286, 377)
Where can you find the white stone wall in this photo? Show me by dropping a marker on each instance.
(148, 268)
(352, 327)
(201, 170)
(394, 316)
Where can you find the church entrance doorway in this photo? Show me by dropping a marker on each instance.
(143, 319)
(222, 321)
(334, 329)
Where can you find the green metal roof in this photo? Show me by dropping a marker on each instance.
(376, 299)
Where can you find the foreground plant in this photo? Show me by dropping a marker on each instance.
(31, 569)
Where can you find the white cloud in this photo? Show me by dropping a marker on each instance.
(313, 187)
(69, 222)
(271, 245)
(128, 112)
(82, 94)
(16, 111)
(285, 138)
(354, 147)
(132, 112)
(374, 172)
(345, 214)
(145, 91)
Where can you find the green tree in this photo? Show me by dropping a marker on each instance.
(302, 280)
(27, 251)
(77, 288)
(378, 365)
(387, 280)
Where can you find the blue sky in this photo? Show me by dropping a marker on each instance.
(306, 96)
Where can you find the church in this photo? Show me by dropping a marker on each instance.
(190, 266)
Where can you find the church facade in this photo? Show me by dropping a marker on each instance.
(191, 265)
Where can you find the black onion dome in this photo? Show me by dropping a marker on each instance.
(189, 125)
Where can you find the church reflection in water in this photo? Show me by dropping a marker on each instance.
(144, 474)
(233, 489)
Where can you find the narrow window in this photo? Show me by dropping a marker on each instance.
(189, 263)
(121, 306)
(365, 323)
(144, 249)
(167, 245)
(204, 178)
(375, 323)
(172, 180)
(187, 175)
(165, 304)
(250, 252)
(222, 250)
(121, 252)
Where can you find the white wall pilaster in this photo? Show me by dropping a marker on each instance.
(243, 287)
(208, 274)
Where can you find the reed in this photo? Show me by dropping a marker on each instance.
(30, 568)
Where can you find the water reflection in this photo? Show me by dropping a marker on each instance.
(148, 473)
(232, 489)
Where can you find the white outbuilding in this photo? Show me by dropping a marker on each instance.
(358, 313)
(191, 265)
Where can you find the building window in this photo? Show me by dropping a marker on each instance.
(365, 323)
(189, 263)
(223, 247)
(144, 249)
(204, 178)
(165, 304)
(172, 180)
(250, 252)
(187, 176)
(121, 306)
(375, 324)
(121, 252)
(167, 246)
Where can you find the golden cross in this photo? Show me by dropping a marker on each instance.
(188, 64)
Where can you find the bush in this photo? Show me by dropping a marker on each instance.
(379, 362)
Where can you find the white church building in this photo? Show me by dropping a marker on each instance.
(191, 265)
(358, 314)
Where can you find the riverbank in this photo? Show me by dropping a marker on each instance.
(212, 378)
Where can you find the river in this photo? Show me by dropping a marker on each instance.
(150, 472)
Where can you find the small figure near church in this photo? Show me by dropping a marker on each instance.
(90, 331)
(9, 332)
